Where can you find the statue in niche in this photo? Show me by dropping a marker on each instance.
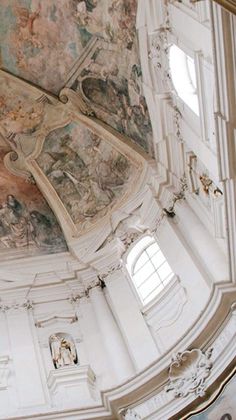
(63, 350)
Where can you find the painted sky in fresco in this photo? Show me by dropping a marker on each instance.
(40, 40)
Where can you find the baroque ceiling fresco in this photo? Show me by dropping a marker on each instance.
(27, 224)
(54, 165)
(45, 41)
(88, 174)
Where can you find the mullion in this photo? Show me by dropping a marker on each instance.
(144, 263)
(147, 278)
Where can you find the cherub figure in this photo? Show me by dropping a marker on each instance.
(26, 21)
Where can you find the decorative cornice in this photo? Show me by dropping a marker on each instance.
(97, 282)
(45, 321)
(28, 304)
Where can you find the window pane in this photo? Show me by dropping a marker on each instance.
(158, 259)
(148, 268)
(143, 273)
(149, 285)
(141, 261)
(138, 247)
(192, 73)
(153, 294)
(152, 249)
(167, 279)
(164, 270)
(183, 76)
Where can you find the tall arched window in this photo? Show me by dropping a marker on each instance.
(148, 269)
(183, 75)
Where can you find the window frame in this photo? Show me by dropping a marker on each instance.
(195, 89)
(129, 272)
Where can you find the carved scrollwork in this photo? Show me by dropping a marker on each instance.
(188, 373)
(15, 164)
(159, 56)
(75, 99)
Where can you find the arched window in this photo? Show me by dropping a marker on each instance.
(148, 269)
(183, 75)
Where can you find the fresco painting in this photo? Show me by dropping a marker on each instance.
(86, 172)
(20, 113)
(27, 224)
(115, 94)
(36, 34)
(41, 41)
(34, 38)
(224, 408)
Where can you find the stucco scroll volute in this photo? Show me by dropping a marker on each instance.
(188, 373)
(75, 102)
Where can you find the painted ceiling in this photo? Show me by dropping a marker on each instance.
(44, 42)
(36, 35)
(53, 166)
(27, 224)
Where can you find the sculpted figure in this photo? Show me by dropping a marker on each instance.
(55, 349)
(63, 351)
(68, 353)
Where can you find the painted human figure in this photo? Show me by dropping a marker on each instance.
(16, 223)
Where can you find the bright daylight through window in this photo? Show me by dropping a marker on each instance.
(183, 76)
(148, 268)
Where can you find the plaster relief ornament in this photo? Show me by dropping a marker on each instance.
(208, 186)
(188, 373)
(129, 414)
(63, 350)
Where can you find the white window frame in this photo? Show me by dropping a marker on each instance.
(143, 305)
(195, 90)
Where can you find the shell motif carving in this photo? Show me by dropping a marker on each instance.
(188, 373)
